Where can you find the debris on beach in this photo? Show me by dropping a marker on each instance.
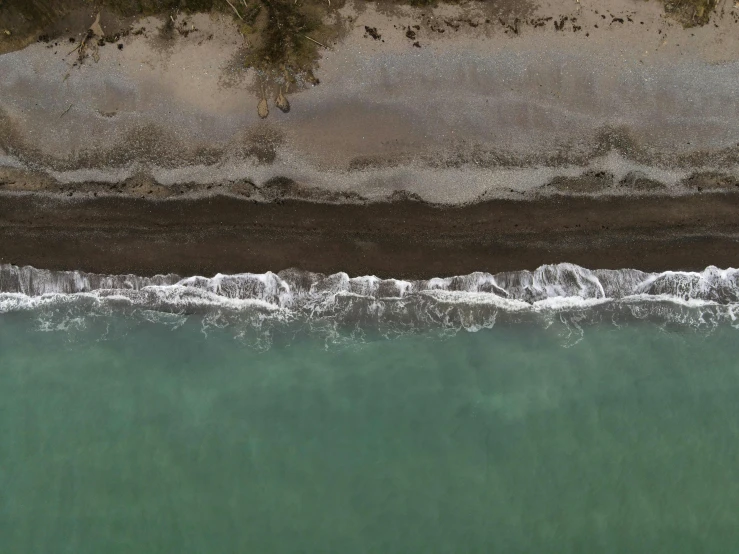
(282, 103)
(262, 108)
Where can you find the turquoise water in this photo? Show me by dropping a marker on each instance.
(160, 440)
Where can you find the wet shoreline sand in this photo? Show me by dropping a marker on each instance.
(403, 239)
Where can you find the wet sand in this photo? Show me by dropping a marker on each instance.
(401, 239)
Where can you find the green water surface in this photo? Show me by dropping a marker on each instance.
(168, 441)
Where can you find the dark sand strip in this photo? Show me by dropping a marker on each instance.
(402, 239)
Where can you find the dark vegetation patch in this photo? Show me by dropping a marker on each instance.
(283, 38)
(691, 12)
(372, 32)
(279, 29)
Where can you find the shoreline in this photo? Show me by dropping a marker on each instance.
(402, 239)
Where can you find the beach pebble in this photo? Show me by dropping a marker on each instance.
(262, 108)
(282, 103)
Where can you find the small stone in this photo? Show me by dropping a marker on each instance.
(262, 108)
(282, 103)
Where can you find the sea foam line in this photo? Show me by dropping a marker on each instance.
(548, 288)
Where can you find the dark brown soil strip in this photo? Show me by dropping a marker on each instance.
(402, 239)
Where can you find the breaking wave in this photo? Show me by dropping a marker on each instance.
(258, 305)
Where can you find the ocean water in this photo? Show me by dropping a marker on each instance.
(561, 410)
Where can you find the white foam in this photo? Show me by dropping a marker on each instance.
(471, 301)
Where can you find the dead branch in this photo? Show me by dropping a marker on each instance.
(234, 9)
(314, 40)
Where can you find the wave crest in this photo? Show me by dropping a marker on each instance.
(474, 301)
(287, 287)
